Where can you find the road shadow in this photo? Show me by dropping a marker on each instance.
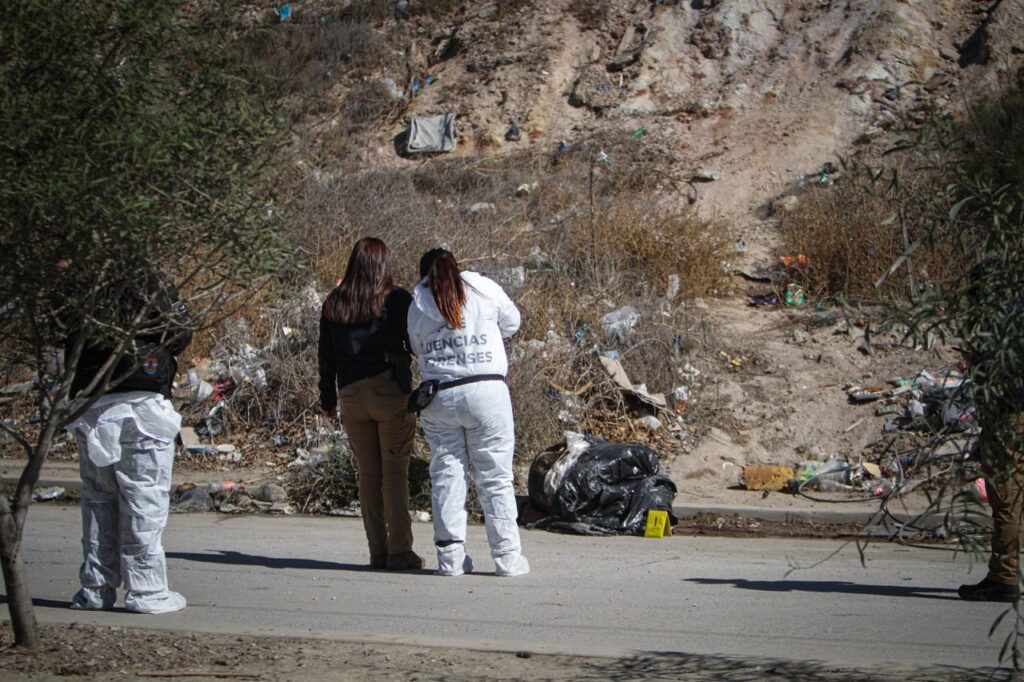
(832, 586)
(48, 603)
(658, 665)
(231, 558)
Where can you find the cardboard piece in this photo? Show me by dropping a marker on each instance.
(618, 374)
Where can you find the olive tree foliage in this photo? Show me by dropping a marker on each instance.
(979, 206)
(134, 142)
(969, 194)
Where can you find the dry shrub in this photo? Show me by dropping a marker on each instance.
(333, 484)
(636, 248)
(302, 55)
(852, 237)
(591, 14)
(367, 105)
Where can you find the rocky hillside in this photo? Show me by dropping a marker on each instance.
(740, 99)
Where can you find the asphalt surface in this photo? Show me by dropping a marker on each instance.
(304, 576)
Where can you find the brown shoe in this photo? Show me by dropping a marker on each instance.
(405, 561)
(378, 560)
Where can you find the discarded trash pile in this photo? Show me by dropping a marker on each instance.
(932, 427)
(242, 399)
(586, 486)
(320, 481)
(230, 497)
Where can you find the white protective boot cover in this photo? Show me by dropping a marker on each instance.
(453, 560)
(511, 564)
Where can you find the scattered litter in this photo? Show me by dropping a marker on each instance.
(513, 134)
(222, 487)
(679, 398)
(979, 485)
(430, 134)
(795, 295)
(829, 476)
(639, 391)
(420, 516)
(189, 497)
(674, 284)
(47, 494)
(764, 300)
(767, 477)
(481, 206)
(619, 323)
(639, 132)
(199, 390)
(736, 362)
(799, 260)
(268, 492)
(284, 12)
(705, 175)
(311, 457)
(649, 422)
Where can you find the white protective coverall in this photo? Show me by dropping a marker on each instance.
(469, 426)
(126, 452)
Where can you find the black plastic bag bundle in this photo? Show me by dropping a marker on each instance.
(608, 490)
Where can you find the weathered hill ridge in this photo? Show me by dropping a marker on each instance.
(760, 89)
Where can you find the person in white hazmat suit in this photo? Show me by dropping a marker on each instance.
(457, 323)
(126, 450)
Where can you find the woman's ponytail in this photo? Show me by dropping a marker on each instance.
(444, 279)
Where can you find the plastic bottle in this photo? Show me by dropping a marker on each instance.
(225, 487)
(834, 474)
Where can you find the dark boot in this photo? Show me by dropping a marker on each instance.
(990, 590)
(405, 561)
(378, 560)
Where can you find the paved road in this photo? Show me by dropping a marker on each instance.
(586, 596)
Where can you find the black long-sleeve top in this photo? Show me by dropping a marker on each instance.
(350, 352)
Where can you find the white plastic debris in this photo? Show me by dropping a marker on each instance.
(619, 323)
(46, 494)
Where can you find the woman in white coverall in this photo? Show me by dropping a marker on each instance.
(457, 323)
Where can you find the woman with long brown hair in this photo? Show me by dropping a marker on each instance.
(364, 361)
(457, 324)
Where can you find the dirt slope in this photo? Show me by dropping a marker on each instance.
(755, 93)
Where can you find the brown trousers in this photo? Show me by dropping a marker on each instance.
(1002, 451)
(381, 430)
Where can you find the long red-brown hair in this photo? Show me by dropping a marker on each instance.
(368, 280)
(445, 282)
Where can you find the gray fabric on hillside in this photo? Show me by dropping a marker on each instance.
(431, 134)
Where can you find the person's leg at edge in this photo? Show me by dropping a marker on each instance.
(144, 480)
(449, 481)
(1005, 488)
(100, 573)
(491, 443)
(362, 432)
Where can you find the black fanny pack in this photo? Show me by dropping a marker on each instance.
(425, 392)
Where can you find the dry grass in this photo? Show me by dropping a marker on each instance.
(852, 236)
